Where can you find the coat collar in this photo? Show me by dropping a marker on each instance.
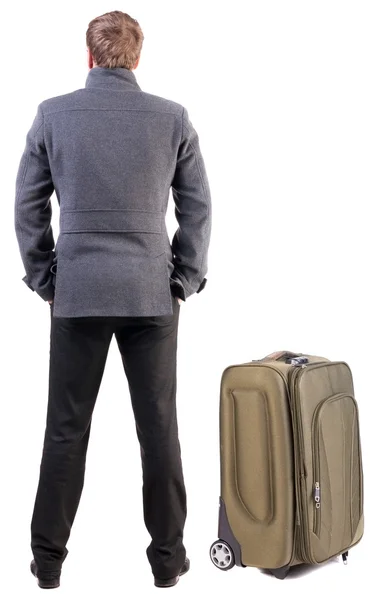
(116, 78)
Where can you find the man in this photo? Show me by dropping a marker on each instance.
(112, 152)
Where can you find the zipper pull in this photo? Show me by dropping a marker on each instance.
(317, 494)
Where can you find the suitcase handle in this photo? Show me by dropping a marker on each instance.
(282, 355)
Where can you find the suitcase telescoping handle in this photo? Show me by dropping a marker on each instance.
(292, 358)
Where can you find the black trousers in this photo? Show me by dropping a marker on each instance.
(78, 352)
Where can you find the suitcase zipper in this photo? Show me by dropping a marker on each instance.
(316, 471)
(300, 482)
(317, 507)
(298, 458)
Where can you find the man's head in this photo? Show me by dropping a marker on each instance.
(114, 40)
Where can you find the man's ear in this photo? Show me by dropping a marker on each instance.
(136, 64)
(90, 59)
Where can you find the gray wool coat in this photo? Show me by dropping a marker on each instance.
(112, 153)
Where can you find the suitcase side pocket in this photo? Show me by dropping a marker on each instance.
(337, 473)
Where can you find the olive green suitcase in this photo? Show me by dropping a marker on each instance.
(291, 466)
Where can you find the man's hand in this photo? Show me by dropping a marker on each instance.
(50, 301)
(180, 301)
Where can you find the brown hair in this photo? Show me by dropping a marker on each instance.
(115, 40)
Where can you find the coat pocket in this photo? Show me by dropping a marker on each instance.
(53, 270)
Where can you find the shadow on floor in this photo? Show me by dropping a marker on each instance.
(303, 569)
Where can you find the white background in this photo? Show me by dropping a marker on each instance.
(289, 100)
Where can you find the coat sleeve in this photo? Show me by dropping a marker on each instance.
(33, 211)
(192, 197)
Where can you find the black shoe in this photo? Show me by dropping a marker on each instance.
(173, 580)
(52, 581)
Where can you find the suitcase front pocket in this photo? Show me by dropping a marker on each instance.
(337, 488)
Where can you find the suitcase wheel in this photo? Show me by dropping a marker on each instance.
(222, 555)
